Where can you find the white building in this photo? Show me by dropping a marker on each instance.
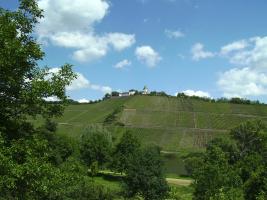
(145, 90)
(126, 94)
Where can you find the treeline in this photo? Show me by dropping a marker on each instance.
(235, 100)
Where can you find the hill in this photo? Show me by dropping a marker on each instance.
(175, 124)
(178, 125)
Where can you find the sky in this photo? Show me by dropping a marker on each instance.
(212, 48)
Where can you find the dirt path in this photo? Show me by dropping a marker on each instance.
(179, 182)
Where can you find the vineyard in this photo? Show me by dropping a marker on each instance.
(175, 124)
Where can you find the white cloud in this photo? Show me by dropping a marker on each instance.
(235, 46)
(88, 54)
(254, 54)
(83, 100)
(181, 56)
(122, 64)
(174, 34)
(243, 82)
(68, 15)
(104, 89)
(198, 93)
(250, 79)
(198, 52)
(70, 24)
(120, 41)
(81, 82)
(147, 55)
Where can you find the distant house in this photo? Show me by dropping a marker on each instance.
(145, 90)
(126, 94)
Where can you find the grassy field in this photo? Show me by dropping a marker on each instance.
(177, 125)
(181, 187)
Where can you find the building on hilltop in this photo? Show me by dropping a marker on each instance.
(124, 94)
(127, 94)
(131, 92)
(145, 90)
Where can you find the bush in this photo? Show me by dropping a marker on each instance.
(144, 175)
(96, 146)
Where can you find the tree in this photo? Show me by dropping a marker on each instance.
(216, 178)
(251, 137)
(251, 140)
(107, 96)
(23, 85)
(124, 152)
(60, 144)
(115, 94)
(256, 186)
(94, 168)
(96, 145)
(144, 175)
(192, 162)
(235, 168)
(25, 170)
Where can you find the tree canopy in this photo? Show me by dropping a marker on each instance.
(96, 144)
(144, 176)
(124, 152)
(235, 168)
(23, 85)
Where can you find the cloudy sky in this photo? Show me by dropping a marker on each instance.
(204, 47)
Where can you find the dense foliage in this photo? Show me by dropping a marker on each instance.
(96, 146)
(35, 163)
(23, 85)
(125, 151)
(144, 176)
(236, 168)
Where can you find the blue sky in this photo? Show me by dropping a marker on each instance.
(202, 47)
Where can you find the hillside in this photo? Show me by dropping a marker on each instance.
(175, 124)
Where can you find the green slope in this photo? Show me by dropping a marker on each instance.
(175, 124)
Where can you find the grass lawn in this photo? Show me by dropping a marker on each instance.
(113, 182)
(182, 192)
